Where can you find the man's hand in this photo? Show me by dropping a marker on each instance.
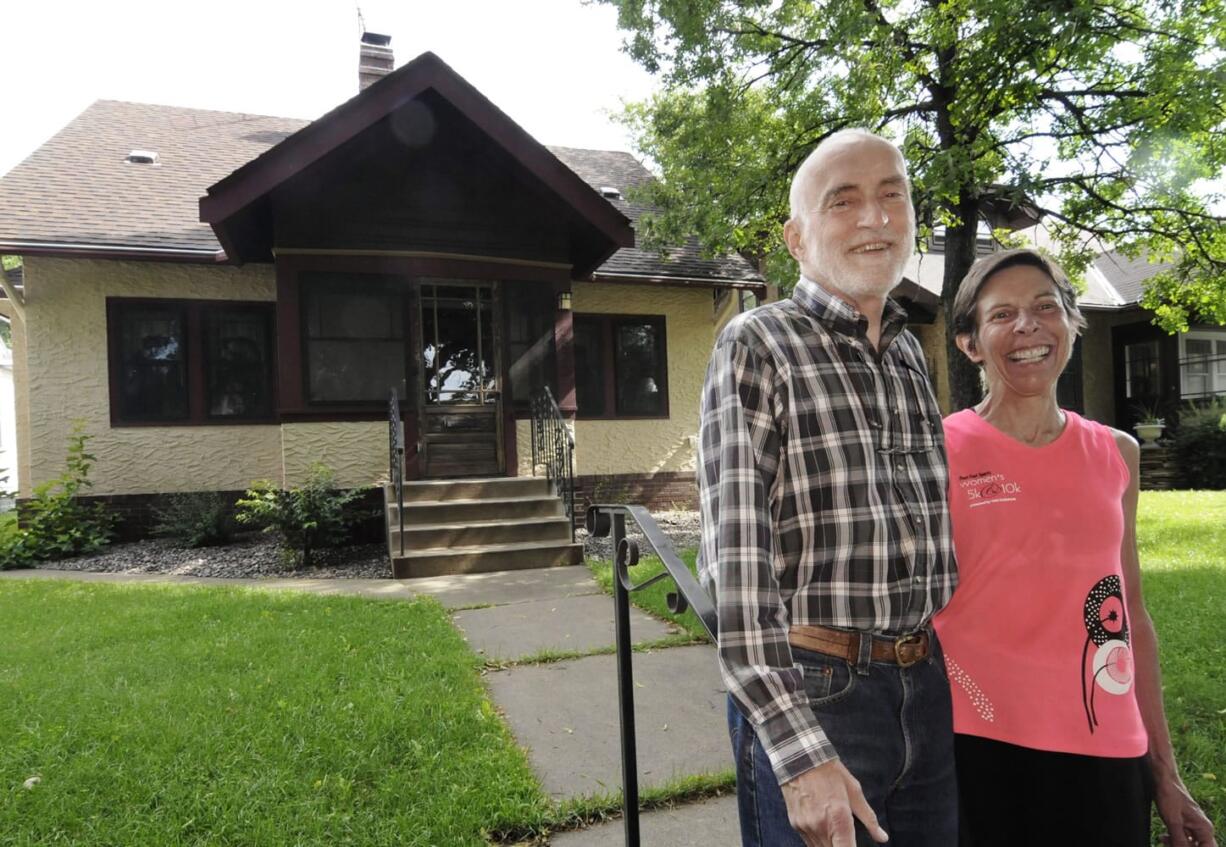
(821, 804)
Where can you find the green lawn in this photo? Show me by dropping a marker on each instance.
(1182, 537)
(183, 716)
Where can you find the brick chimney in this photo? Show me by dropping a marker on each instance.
(375, 59)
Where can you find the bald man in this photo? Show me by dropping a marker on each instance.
(826, 540)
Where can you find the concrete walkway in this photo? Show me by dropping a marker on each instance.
(565, 714)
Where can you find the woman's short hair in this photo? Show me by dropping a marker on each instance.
(966, 302)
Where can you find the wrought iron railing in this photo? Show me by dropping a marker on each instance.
(601, 519)
(395, 467)
(554, 447)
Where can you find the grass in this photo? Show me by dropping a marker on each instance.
(654, 598)
(159, 715)
(1182, 538)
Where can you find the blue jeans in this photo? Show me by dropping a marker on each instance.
(892, 728)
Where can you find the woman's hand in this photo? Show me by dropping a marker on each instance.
(1185, 823)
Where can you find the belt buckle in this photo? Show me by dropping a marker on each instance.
(902, 645)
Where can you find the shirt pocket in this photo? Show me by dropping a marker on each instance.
(917, 418)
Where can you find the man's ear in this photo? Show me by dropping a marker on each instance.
(966, 343)
(792, 238)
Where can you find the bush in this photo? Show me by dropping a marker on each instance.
(308, 518)
(58, 524)
(1200, 446)
(199, 519)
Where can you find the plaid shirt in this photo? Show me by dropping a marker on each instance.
(822, 480)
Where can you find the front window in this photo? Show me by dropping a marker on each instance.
(190, 361)
(355, 338)
(620, 366)
(153, 357)
(1141, 379)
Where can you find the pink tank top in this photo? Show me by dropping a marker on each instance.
(1036, 638)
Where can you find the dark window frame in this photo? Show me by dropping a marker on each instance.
(608, 362)
(194, 314)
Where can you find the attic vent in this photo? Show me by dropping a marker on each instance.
(142, 157)
(610, 193)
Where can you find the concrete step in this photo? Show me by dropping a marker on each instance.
(434, 512)
(472, 489)
(475, 533)
(437, 561)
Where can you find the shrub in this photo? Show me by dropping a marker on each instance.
(1200, 446)
(308, 518)
(58, 524)
(198, 519)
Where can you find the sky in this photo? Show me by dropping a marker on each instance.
(554, 66)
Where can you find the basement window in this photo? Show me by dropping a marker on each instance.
(142, 157)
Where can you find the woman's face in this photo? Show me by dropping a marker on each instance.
(1025, 336)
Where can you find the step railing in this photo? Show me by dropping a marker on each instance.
(554, 447)
(395, 467)
(601, 520)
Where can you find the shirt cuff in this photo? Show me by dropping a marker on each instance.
(795, 743)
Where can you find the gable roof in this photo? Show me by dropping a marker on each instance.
(249, 184)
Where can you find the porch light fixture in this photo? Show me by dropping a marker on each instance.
(563, 301)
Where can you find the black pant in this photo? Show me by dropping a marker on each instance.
(1011, 795)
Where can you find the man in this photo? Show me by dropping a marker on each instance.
(826, 540)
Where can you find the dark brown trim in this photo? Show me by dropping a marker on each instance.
(564, 359)
(479, 269)
(192, 316)
(311, 143)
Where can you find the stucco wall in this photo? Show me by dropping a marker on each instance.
(650, 446)
(356, 451)
(932, 340)
(65, 379)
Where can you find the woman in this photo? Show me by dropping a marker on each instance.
(1061, 736)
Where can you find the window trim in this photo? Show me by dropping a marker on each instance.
(193, 313)
(608, 361)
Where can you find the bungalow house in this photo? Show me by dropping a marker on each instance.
(227, 297)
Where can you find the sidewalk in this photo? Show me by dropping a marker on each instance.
(565, 714)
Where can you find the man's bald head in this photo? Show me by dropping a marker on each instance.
(799, 201)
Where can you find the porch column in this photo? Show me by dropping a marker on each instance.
(564, 346)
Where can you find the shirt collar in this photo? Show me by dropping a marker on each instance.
(835, 313)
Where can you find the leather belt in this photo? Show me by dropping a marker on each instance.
(903, 650)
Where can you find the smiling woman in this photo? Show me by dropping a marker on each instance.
(1051, 652)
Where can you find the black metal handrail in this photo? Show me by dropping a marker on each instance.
(554, 447)
(395, 465)
(602, 518)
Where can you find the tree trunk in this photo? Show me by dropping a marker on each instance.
(964, 385)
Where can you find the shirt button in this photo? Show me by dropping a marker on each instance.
(919, 521)
(919, 579)
(900, 467)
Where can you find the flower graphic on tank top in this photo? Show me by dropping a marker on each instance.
(1109, 667)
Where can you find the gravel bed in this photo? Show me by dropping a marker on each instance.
(681, 527)
(250, 556)
(257, 555)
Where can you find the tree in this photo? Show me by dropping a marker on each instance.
(1105, 116)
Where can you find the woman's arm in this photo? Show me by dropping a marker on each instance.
(1185, 822)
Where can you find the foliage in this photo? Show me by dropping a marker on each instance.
(310, 517)
(1200, 446)
(1105, 116)
(197, 519)
(176, 715)
(57, 523)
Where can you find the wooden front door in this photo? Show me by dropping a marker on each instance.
(460, 395)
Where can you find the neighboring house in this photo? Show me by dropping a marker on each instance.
(227, 297)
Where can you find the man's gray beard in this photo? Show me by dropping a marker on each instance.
(858, 284)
